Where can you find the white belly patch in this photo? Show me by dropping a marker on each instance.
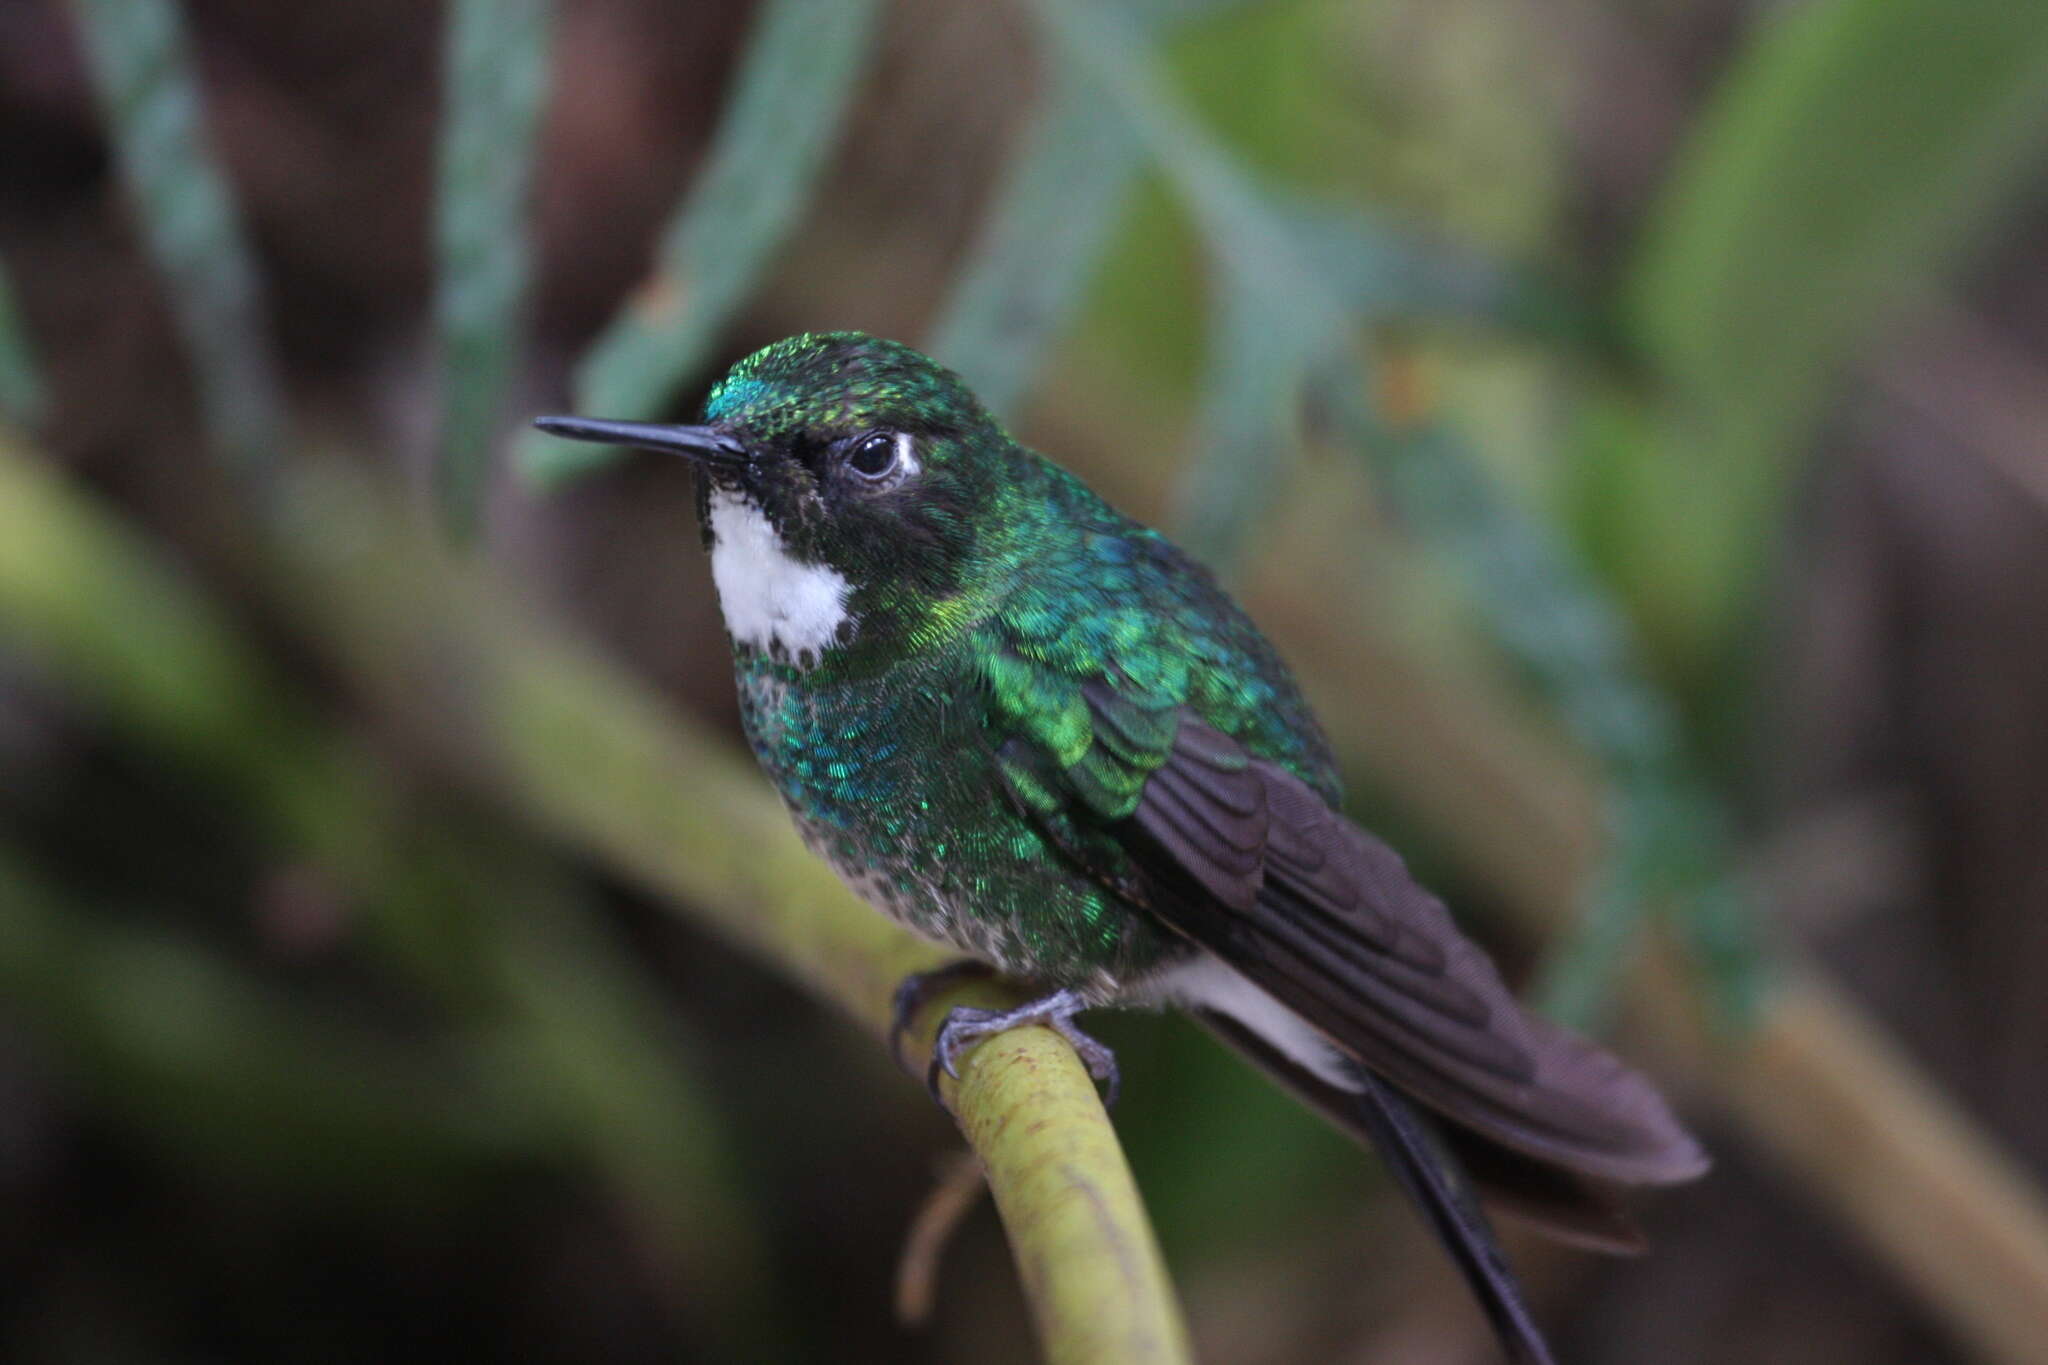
(770, 600)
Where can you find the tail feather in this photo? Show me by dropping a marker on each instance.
(1559, 1202)
(1428, 1172)
(1430, 1175)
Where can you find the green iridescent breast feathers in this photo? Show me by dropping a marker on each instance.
(1023, 724)
(991, 540)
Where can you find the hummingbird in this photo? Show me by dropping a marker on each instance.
(1027, 726)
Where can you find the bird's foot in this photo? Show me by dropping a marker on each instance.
(965, 1026)
(916, 992)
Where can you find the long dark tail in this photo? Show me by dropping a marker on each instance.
(1426, 1168)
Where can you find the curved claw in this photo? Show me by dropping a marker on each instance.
(918, 988)
(965, 1026)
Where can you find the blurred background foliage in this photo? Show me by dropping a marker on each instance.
(1629, 416)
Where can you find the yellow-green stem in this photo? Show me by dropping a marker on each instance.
(586, 755)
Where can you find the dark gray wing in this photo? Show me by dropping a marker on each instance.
(1251, 864)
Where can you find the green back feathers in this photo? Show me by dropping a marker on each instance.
(1105, 633)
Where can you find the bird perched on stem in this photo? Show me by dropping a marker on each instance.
(1027, 726)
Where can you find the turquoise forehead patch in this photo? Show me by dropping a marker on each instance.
(732, 395)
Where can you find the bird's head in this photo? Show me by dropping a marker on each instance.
(845, 484)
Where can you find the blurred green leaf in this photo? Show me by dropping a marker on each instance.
(788, 102)
(1672, 858)
(1293, 283)
(189, 1051)
(582, 1026)
(570, 1018)
(1293, 280)
(1671, 847)
(1269, 315)
(22, 399)
(1107, 46)
(1557, 624)
(589, 755)
(495, 73)
(580, 749)
(1856, 148)
(1390, 273)
(1326, 261)
(131, 635)
(150, 94)
(1038, 245)
(1247, 430)
(1046, 229)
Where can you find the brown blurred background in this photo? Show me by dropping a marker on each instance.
(1843, 611)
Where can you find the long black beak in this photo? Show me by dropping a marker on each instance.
(702, 445)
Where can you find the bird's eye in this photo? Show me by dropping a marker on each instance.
(877, 455)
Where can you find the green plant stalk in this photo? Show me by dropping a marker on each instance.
(149, 92)
(788, 101)
(594, 761)
(590, 758)
(576, 1031)
(1814, 1084)
(1928, 1191)
(22, 399)
(495, 73)
(1084, 1249)
(201, 1062)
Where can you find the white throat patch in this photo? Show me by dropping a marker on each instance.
(771, 601)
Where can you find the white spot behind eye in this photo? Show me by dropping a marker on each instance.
(899, 458)
(906, 455)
